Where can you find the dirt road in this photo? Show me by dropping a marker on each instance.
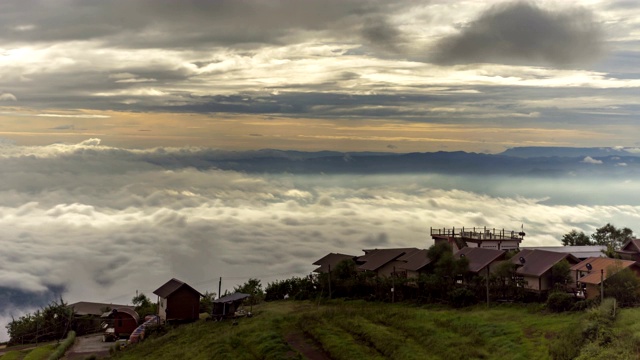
(89, 345)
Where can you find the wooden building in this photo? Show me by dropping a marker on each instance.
(535, 267)
(590, 273)
(630, 250)
(226, 306)
(123, 320)
(178, 302)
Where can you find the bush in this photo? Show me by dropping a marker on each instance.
(559, 302)
(64, 346)
(584, 304)
(461, 297)
(567, 345)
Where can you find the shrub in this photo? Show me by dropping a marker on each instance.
(584, 304)
(461, 297)
(567, 345)
(559, 302)
(64, 346)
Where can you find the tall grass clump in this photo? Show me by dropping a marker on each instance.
(40, 353)
(597, 337)
(64, 346)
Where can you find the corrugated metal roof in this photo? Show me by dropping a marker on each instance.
(231, 298)
(581, 252)
(125, 310)
(538, 262)
(94, 308)
(376, 258)
(331, 259)
(598, 264)
(415, 261)
(171, 286)
(479, 258)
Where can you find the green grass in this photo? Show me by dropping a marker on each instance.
(41, 353)
(361, 330)
(14, 355)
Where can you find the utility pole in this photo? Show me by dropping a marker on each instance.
(329, 281)
(601, 285)
(487, 285)
(220, 288)
(393, 286)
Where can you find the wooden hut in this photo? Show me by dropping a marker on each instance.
(178, 302)
(123, 321)
(227, 306)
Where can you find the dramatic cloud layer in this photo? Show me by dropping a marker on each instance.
(97, 223)
(319, 74)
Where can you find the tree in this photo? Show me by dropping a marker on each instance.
(624, 285)
(144, 306)
(446, 269)
(560, 274)
(612, 237)
(49, 323)
(206, 302)
(253, 287)
(574, 238)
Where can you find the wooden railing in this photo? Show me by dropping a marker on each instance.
(479, 233)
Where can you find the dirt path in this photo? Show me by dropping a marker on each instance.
(306, 346)
(88, 345)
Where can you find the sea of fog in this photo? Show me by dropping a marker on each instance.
(94, 223)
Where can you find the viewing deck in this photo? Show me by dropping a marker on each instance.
(478, 234)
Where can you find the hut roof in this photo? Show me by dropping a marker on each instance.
(128, 311)
(171, 286)
(232, 298)
(94, 308)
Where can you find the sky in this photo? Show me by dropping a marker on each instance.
(108, 107)
(346, 75)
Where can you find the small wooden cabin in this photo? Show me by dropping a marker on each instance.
(178, 302)
(226, 306)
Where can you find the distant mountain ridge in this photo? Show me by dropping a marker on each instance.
(530, 162)
(540, 151)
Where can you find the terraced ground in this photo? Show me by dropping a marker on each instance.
(362, 330)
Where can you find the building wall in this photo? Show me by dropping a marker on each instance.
(124, 323)
(542, 283)
(531, 283)
(183, 304)
(387, 269)
(592, 291)
(162, 308)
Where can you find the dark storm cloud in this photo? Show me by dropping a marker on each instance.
(379, 33)
(523, 33)
(183, 24)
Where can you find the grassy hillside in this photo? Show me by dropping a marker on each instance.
(361, 330)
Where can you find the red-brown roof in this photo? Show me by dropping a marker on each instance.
(376, 258)
(331, 260)
(538, 262)
(610, 267)
(171, 286)
(479, 258)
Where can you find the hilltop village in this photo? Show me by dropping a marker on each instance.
(464, 266)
